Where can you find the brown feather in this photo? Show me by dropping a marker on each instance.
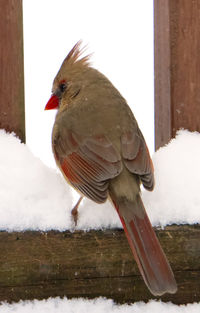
(74, 55)
(137, 159)
(88, 163)
(151, 260)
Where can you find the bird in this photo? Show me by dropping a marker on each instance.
(101, 152)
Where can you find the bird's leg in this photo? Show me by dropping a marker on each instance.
(74, 211)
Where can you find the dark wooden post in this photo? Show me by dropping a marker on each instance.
(177, 67)
(12, 113)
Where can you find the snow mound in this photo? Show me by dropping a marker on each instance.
(32, 196)
(35, 197)
(99, 305)
(176, 197)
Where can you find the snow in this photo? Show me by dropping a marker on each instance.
(176, 198)
(35, 197)
(32, 196)
(100, 305)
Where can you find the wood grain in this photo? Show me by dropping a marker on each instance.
(177, 67)
(185, 64)
(12, 116)
(162, 75)
(92, 264)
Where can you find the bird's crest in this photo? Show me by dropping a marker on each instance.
(74, 55)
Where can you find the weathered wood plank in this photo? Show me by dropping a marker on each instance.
(12, 112)
(177, 67)
(185, 64)
(90, 264)
(162, 81)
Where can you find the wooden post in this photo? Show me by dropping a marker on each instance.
(12, 113)
(177, 67)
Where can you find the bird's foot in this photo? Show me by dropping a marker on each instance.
(74, 211)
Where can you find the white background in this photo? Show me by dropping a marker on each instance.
(120, 36)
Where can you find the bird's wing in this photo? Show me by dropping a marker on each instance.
(136, 157)
(88, 163)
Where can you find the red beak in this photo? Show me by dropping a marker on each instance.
(53, 103)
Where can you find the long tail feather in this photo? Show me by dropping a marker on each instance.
(145, 246)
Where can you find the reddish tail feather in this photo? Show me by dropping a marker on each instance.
(150, 258)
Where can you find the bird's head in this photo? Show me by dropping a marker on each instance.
(69, 79)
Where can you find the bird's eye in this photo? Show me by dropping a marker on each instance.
(62, 86)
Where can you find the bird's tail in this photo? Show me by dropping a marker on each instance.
(150, 258)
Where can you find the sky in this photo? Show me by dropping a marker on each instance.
(120, 36)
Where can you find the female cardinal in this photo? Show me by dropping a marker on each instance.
(102, 153)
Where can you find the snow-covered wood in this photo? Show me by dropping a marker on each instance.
(91, 264)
